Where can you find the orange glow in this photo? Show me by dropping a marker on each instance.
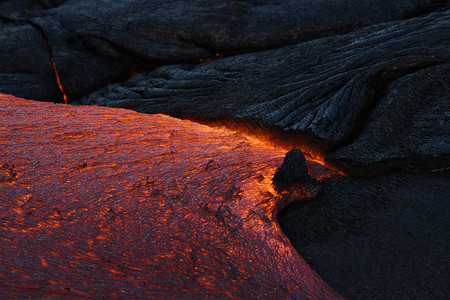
(201, 60)
(263, 134)
(102, 202)
(59, 81)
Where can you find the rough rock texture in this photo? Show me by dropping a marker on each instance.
(181, 30)
(326, 88)
(410, 127)
(99, 202)
(22, 8)
(26, 67)
(94, 41)
(379, 237)
(293, 169)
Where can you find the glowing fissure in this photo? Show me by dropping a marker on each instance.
(58, 80)
(110, 202)
(275, 138)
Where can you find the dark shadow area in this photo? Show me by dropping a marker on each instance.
(379, 237)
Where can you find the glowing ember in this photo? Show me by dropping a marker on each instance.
(109, 202)
(217, 56)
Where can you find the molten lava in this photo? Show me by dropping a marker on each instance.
(101, 202)
(58, 80)
(276, 138)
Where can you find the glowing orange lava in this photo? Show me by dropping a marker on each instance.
(59, 82)
(278, 139)
(100, 202)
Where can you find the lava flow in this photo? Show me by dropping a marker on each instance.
(101, 202)
(58, 80)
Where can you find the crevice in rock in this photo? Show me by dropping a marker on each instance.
(135, 62)
(7, 20)
(138, 67)
(314, 148)
(59, 81)
(64, 97)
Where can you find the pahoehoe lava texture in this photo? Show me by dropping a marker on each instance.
(409, 128)
(99, 202)
(374, 99)
(379, 237)
(327, 88)
(94, 41)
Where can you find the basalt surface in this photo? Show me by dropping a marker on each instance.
(385, 85)
(409, 129)
(94, 42)
(378, 237)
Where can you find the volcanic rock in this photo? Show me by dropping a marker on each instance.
(379, 237)
(293, 169)
(410, 127)
(93, 42)
(93, 202)
(26, 68)
(22, 8)
(328, 88)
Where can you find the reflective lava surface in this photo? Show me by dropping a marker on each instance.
(109, 202)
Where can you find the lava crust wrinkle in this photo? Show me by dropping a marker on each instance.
(95, 41)
(342, 91)
(109, 202)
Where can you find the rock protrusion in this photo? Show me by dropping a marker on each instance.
(293, 170)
